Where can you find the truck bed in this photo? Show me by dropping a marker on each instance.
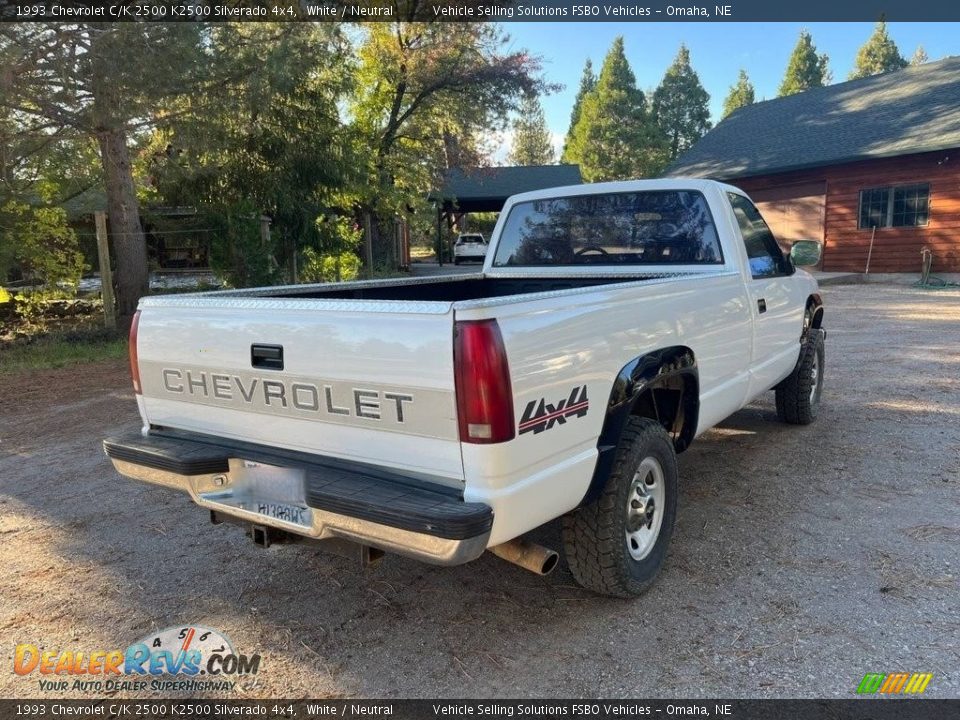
(454, 288)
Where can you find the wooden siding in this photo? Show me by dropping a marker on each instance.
(794, 212)
(895, 249)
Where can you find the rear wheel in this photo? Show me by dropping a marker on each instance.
(616, 545)
(798, 396)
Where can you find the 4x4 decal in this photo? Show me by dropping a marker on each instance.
(540, 415)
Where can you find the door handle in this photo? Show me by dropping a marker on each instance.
(762, 305)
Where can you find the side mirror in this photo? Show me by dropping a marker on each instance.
(805, 253)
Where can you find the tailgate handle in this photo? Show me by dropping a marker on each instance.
(268, 357)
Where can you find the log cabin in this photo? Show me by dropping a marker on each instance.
(874, 160)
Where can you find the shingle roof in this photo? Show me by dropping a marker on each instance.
(898, 113)
(487, 188)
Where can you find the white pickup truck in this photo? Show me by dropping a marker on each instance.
(442, 417)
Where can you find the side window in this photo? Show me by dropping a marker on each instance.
(766, 257)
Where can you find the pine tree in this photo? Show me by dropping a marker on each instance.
(920, 56)
(615, 137)
(805, 69)
(740, 95)
(588, 81)
(680, 104)
(532, 143)
(879, 54)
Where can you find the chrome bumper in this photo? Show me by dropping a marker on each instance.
(212, 491)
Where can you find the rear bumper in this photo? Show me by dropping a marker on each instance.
(469, 254)
(346, 500)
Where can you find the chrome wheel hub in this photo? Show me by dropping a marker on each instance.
(646, 502)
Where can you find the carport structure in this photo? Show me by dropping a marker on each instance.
(486, 189)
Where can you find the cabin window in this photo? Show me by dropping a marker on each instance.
(901, 206)
(763, 251)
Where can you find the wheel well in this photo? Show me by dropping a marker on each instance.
(663, 385)
(672, 402)
(815, 306)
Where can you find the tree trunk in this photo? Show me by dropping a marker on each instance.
(123, 212)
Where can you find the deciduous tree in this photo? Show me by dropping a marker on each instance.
(429, 91)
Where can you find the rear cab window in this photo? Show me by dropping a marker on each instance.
(654, 227)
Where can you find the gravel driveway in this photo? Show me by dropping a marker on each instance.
(802, 559)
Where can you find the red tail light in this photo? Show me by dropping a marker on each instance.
(134, 359)
(484, 395)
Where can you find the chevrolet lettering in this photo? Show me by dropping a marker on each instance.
(440, 418)
(305, 396)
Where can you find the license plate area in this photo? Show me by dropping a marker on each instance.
(271, 491)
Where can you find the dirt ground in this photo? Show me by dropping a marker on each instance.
(802, 559)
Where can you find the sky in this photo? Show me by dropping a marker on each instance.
(717, 52)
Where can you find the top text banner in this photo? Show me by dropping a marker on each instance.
(644, 11)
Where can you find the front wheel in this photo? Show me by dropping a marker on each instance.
(616, 545)
(798, 396)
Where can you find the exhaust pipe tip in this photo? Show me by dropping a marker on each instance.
(550, 562)
(530, 556)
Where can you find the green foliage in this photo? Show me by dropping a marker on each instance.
(329, 268)
(806, 69)
(588, 81)
(249, 149)
(42, 244)
(427, 95)
(103, 83)
(238, 253)
(30, 307)
(532, 142)
(681, 105)
(338, 233)
(740, 95)
(919, 56)
(879, 54)
(337, 260)
(615, 137)
(290, 120)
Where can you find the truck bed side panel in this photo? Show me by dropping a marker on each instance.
(567, 355)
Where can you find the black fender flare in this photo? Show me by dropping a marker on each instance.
(815, 302)
(631, 382)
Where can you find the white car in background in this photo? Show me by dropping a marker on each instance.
(470, 246)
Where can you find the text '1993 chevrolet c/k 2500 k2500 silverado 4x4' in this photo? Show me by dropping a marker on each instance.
(611, 325)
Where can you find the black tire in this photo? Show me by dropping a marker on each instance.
(595, 537)
(798, 396)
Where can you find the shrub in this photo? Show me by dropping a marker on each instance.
(329, 268)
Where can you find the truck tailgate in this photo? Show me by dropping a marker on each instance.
(352, 380)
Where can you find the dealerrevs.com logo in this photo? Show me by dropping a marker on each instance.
(189, 659)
